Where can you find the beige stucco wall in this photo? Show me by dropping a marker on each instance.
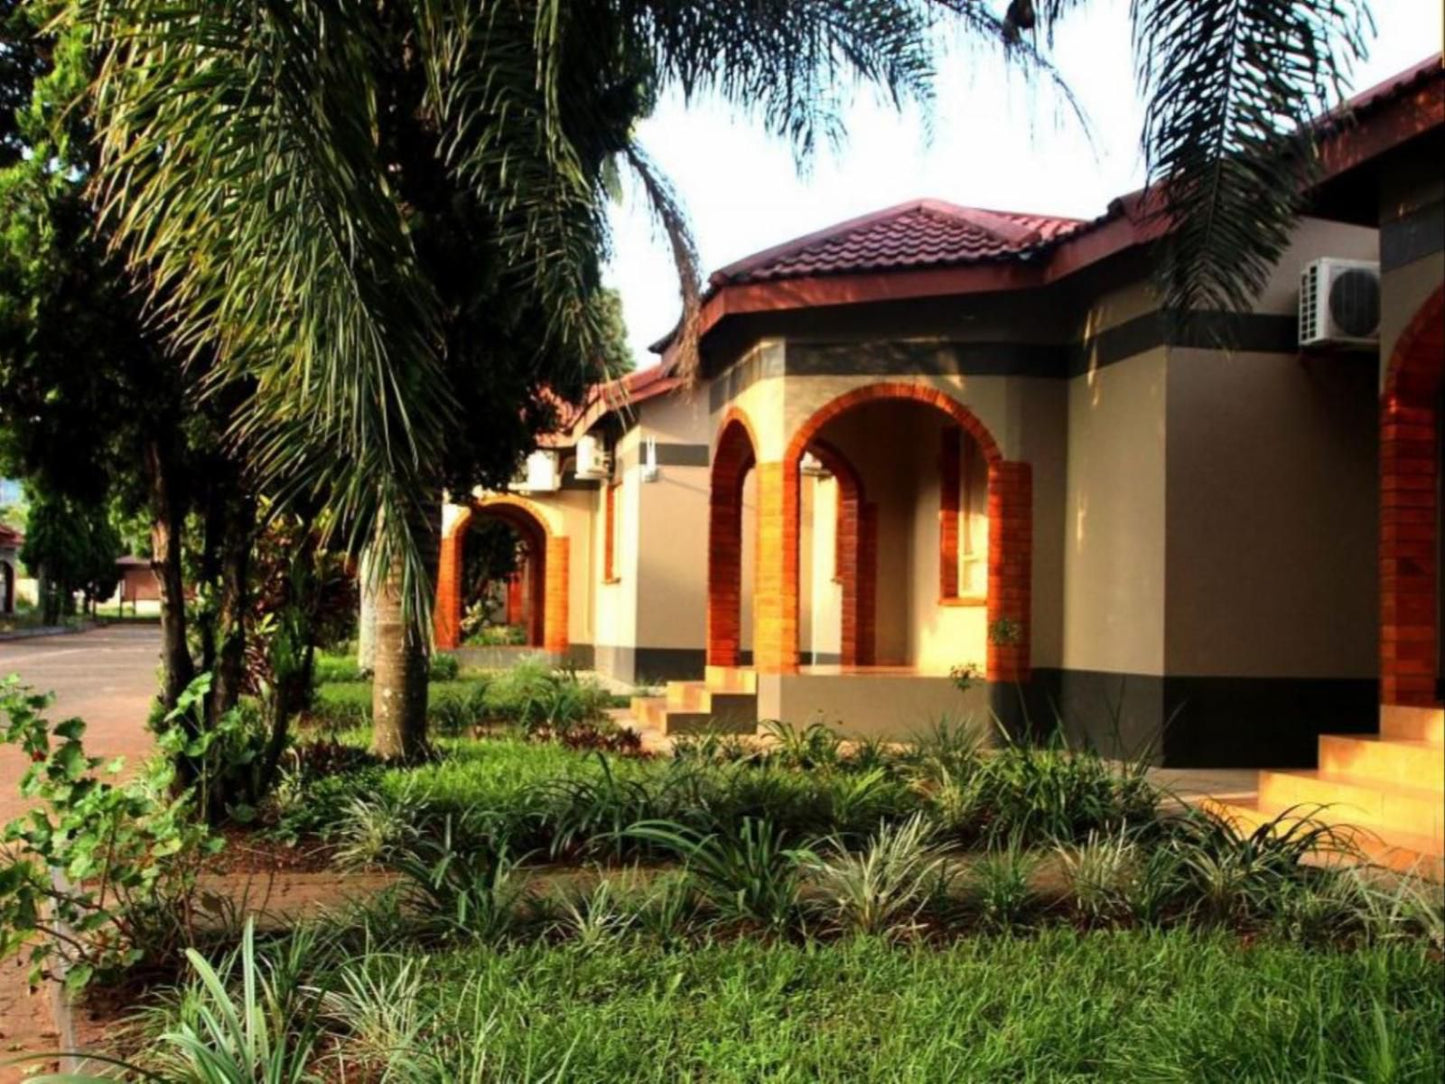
(1272, 498)
(820, 602)
(1113, 613)
(670, 579)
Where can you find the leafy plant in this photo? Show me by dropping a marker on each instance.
(749, 873)
(469, 888)
(965, 675)
(594, 918)
(1100, 873)
(374, 828)
(101, 875)
(1000, 887)
(814, 746)
(880, 889)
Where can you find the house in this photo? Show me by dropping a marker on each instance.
(936, 441)
(138, 581)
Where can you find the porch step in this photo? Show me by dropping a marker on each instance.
(697, 707)
(1352, 799)
(1414, 724)
(1403, 852)
(731, 679)
(1395, 761)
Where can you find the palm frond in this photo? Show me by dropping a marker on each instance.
(240, 171)
(1231, 87)
(671, 218)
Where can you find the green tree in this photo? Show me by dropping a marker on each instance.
(72, 548)
(386, 216)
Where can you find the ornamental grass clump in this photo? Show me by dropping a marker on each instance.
(882, 888)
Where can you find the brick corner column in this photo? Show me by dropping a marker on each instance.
(775, 603)
(1408, 559)
(1010, 563)
(447, 615)
(554, 595)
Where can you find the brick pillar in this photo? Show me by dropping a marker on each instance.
(554, 596)
(867, 582)
(1408, 561)
(1010, 561)
(775, 599)
(447, 615)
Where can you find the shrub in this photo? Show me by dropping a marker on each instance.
(815, 746)
(881, 889)
(126, 855)
(1100, 874)
(1000, 886)
(749, 873)
(461, 887)
(372, 829)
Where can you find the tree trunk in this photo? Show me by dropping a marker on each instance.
(398, 691)
(179, 667)
(237, 524)
(366, 622)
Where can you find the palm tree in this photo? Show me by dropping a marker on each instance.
(388, 214)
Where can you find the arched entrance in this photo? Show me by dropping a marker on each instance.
(733, 458)
(536, 596)
(1410, 512)
(1008, 508)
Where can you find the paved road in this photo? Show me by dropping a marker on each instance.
(106, 676)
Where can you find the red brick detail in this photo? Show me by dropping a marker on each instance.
(553, 610)
(950, 472)
(447, 613)
(1409, 510)
(867, 582)
(1010, 513)
(546, 585)
(1010, 564)
(732, 458)
(775, 600)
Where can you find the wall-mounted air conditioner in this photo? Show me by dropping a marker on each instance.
(1339, 303)
(539, 474)
(593, 462)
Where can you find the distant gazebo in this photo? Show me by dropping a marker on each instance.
(10, 542)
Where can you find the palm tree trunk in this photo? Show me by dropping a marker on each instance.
(398, 690)
(177, 664)
(366, 623)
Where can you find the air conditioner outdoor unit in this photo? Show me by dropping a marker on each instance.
(539, 474)
(1339, 303)
(593, 462)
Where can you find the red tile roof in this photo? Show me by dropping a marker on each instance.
(10, 538)
(917, 234)
(1400, 83)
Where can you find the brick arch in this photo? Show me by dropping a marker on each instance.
(735, 453)
(1010, 515)
(856, 556)
(546, 571)
(1410, 510)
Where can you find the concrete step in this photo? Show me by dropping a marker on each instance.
(731, 679)
(1413, 724)
(649, 710)
(1403, 852)
(686, 695)
(705, 722)
(1349, 799)
(1387, 760)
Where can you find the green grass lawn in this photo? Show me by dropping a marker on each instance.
(1124, 1006)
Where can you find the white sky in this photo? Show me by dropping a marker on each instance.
(996, 144)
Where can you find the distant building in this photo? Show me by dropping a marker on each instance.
(138, 582)
(10, 542)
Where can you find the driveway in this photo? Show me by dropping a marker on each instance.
(106, 677)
